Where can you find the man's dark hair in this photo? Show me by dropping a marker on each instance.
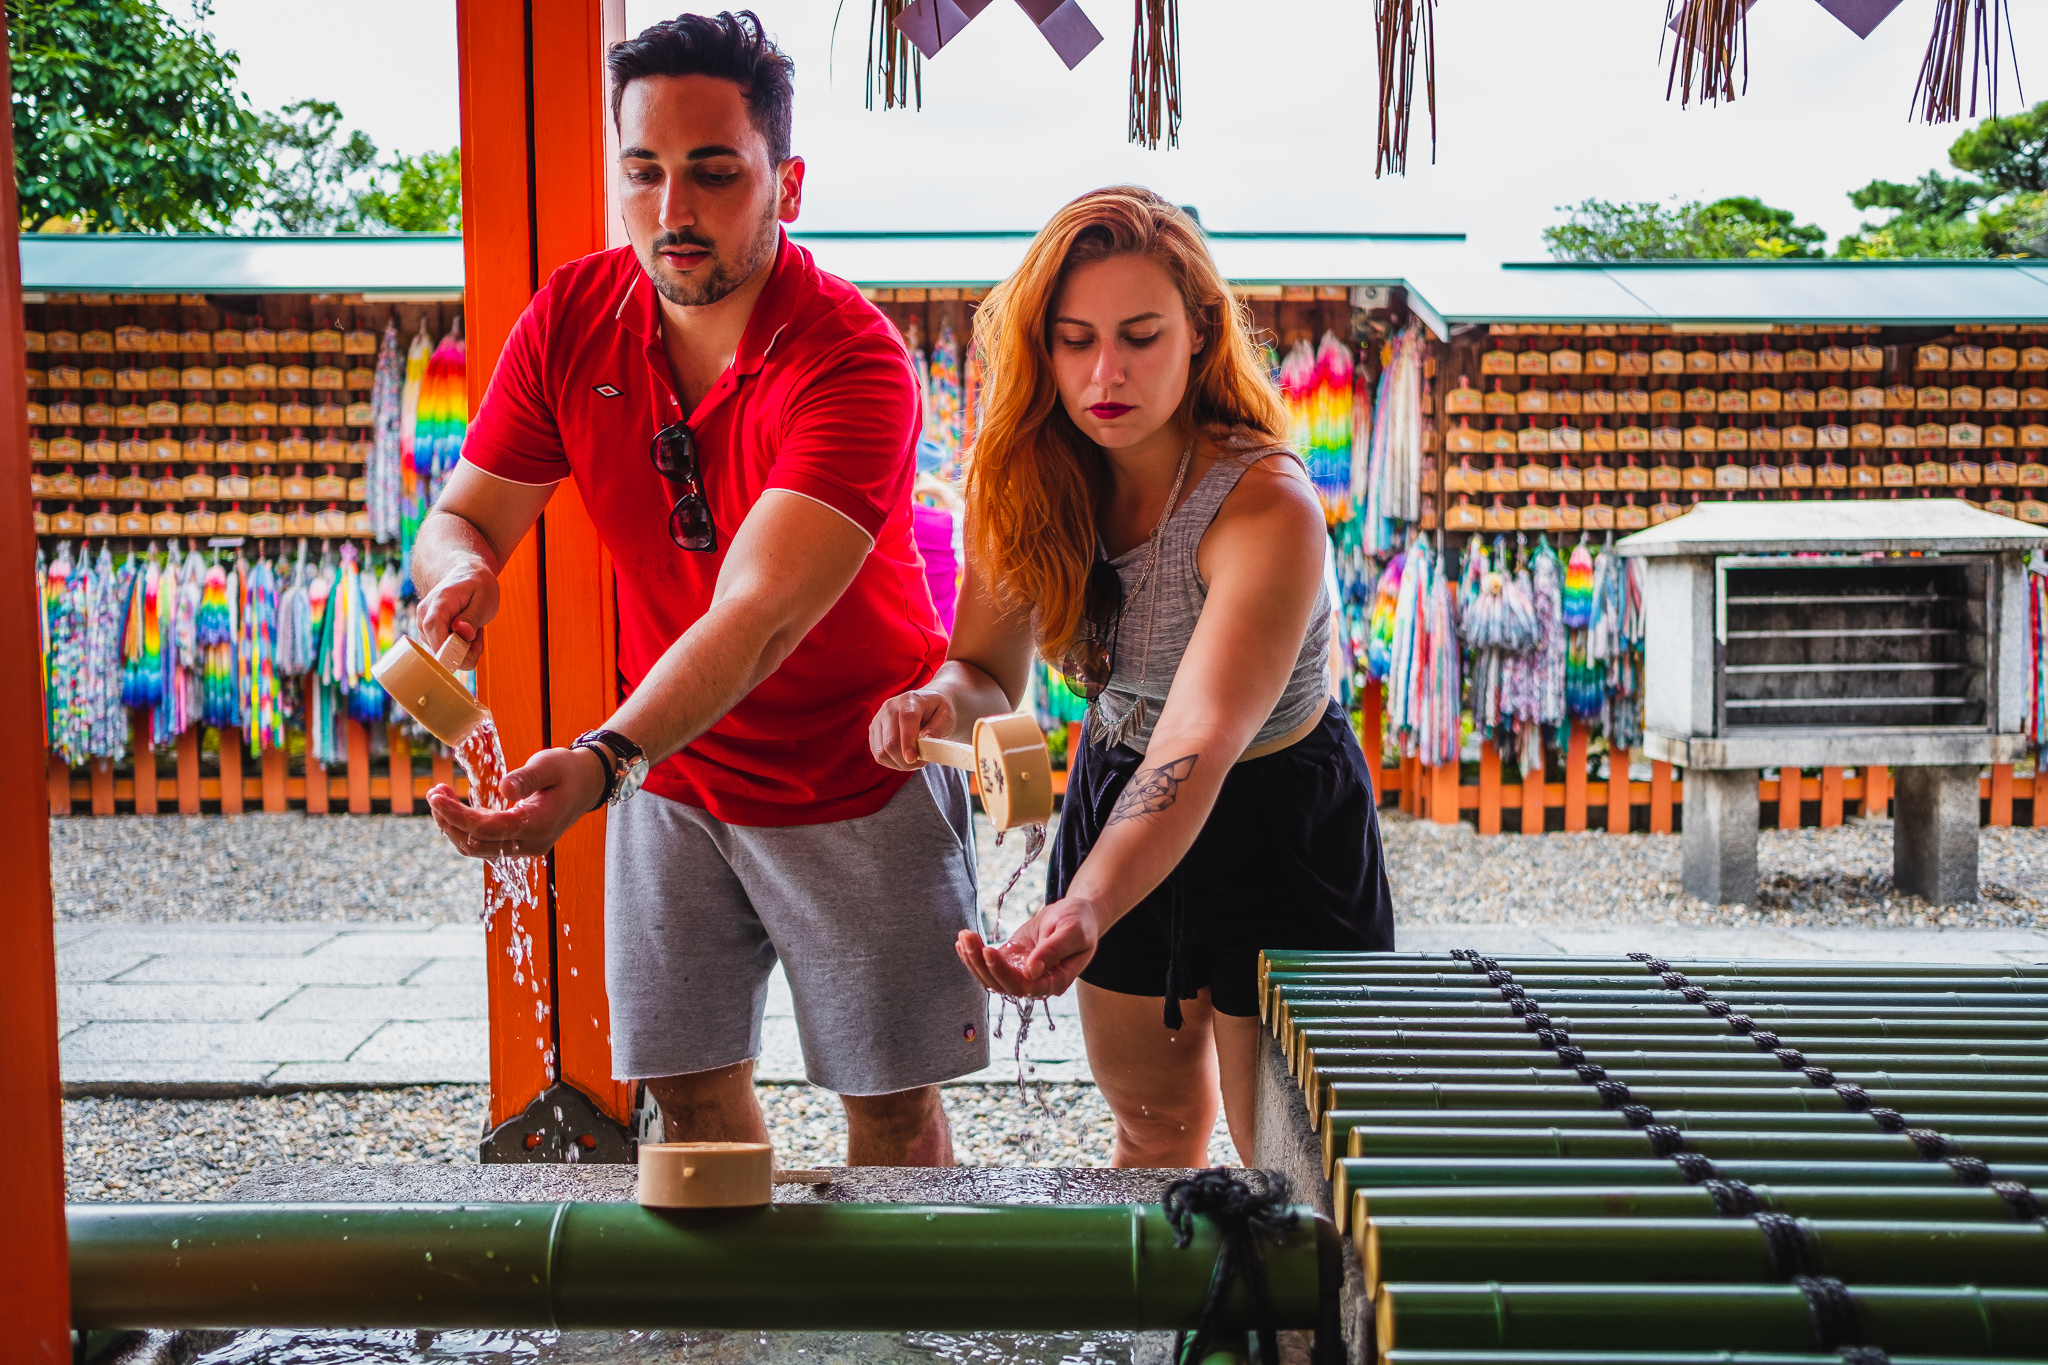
(729, 46)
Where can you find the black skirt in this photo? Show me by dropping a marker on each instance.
(1289, 858)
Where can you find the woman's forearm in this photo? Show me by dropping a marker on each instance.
(1154, 822)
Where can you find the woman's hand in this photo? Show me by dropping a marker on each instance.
(551, 792)
(902, 720)
(1044, 956)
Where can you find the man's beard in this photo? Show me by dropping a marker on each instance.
(716, 277)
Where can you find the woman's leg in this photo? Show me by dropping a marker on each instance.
(1161, 1086)
(1237, 1062)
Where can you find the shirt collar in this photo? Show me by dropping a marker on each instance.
(639, 310)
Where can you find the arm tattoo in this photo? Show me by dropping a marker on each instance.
(1152, 790)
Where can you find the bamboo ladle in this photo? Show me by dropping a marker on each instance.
(1011, 765)
(429, 690)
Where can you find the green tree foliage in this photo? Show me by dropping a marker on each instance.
(313, 174)
(1999, 208)
(427, 198)
(126, 120)
(1736, 227)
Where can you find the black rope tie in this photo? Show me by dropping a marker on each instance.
(1238, 1213)
(1696, 1169)
(1969, 1170)
(2025, 1205)
(1833, 1310)
(1863, 1355)
(1932, 1145)
(1788, 1243)
(1732, 1198)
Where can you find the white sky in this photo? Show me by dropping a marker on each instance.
(1540, 105)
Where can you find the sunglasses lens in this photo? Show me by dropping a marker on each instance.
(689, 524)
(675, 453)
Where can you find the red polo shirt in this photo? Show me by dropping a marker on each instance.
(820, 401)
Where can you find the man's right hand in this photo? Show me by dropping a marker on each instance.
(903, 720)
(460, 604)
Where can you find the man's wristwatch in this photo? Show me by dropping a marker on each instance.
(625, 764)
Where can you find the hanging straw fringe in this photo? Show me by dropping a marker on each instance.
(893, 63)
(1399, 22)
(1712, 40)
(1959, 44)
(1155, 73)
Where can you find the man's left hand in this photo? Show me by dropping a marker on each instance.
(544, 798)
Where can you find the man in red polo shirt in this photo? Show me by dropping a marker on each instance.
(741, 427)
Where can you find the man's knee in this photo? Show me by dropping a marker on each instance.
(700, 1099)
(905, 1109)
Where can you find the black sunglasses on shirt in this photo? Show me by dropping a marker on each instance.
(675, 459)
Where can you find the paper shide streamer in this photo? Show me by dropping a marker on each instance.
(1712, 40)
(1404, 27)
(1155, 74)
(1969, 36)
(893, 61)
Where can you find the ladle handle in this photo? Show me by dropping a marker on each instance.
(948, 752)
(451, 647)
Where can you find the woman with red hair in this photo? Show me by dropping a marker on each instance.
(1134, 516)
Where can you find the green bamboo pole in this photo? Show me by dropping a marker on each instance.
(1355, 1132)
(1969, 1322)
(1482, 1173)
(850, 1267)
(1912, 1204)
(1869, 998)
(1696, 1251)
(1795, 1096)
(1959, 1064)
(1645, 1358)
(1720, 1040)
(1728, 985)
(1276, 960)
(1962, 1127)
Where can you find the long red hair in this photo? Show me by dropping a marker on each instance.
(1033, 480)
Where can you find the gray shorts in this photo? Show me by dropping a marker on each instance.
(861, 913)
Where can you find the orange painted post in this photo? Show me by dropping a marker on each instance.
(103, 786)
(1788, 798)
(401, 769)
(230, 771)
(1830, 797)
(1660, 797)
(188, 772)
(442, 769)
(1575, 761)
(1443, 793)
(2001, 794)
(58, 774)
(276, 770)
(1532, 801)
(35, 1296)
(1617, 790)
(358, 768)
(1877, 792)
(1489, 788)
(145, 764)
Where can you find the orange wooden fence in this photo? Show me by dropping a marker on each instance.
(1572, 791)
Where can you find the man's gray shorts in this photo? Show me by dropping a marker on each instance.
(861, 913)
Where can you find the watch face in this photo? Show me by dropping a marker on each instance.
(631, 775)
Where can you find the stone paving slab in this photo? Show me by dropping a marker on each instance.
(193, 1001)
(99, 962)
(379, 1003)
(442, 940)
(318, 969)
(182, 1046)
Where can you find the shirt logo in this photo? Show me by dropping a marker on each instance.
(604, 390)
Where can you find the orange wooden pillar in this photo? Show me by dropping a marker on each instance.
(1877, 792)
(1489, 788)
(188, 772)
(1532, 798)
(1789, 783)
(358, 768)
(401, 769)
(58, 773)
(1660, 797)
(535, 173)
(1830, 797)
(103, 786)
(1617, 791)
(1443, 793)
(2001, 794)
(35, 1296)
(1575, 779)
(230, 771)
(276, 776)
(145, 764)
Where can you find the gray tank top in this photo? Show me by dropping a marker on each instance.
(1176, 591)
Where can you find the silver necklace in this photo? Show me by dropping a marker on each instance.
(1129, 722)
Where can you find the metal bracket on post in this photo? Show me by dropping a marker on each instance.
(561, 1125)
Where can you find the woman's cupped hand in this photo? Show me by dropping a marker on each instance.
(1044, 956)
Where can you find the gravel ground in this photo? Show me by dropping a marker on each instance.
(1805, 877)
(120, 1150)
(186, 869)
